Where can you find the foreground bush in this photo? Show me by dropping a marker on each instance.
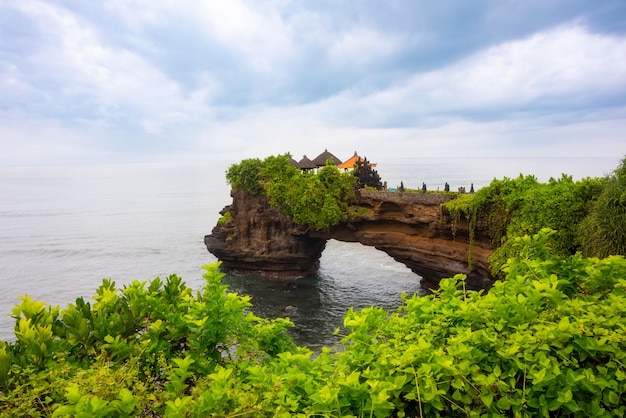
(133, 351)
(548, 341)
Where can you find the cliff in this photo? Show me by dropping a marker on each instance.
(259, 238)
(408, 227)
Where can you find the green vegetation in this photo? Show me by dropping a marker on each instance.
(227, 216)
(604, 230)
(512, 208)
(546, 341)
(320, 200)
(129, 352)
(247, 176)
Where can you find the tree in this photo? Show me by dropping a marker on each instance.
(319, 200)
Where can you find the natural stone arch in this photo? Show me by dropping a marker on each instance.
(408, 227)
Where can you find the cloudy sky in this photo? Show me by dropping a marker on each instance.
(182, 80)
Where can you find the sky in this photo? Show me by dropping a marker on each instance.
(180, 80)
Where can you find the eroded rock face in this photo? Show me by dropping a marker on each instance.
(408, 227)
(260, 239)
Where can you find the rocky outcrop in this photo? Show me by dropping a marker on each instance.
(409, 227)
(259, 238)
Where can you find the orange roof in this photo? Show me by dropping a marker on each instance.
(351, 162)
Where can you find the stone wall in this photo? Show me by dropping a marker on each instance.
(404, 197)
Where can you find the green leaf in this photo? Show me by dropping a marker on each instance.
(72, 393)
(504, 403)
(487, 399)
(411, 396)
(565, 396)
(613, 398)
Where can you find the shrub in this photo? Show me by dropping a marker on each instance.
(143, 347)
(516, 207)
(604, 231)
(546, 341)
(320, 200)
(246, 176)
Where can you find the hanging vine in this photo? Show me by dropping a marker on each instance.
(465, 205)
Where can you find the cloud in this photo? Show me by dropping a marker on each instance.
(566, 63)
(361, 47)
(565, 70)
(543, 94)
(41, 140)
(79, 75)
(227, 78)
(225, 37)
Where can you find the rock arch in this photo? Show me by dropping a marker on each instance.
(407, 226)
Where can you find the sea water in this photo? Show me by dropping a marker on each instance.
(65, 228)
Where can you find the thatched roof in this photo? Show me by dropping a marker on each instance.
(305, 164)
(320, 160)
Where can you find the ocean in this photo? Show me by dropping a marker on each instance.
(64, 228)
